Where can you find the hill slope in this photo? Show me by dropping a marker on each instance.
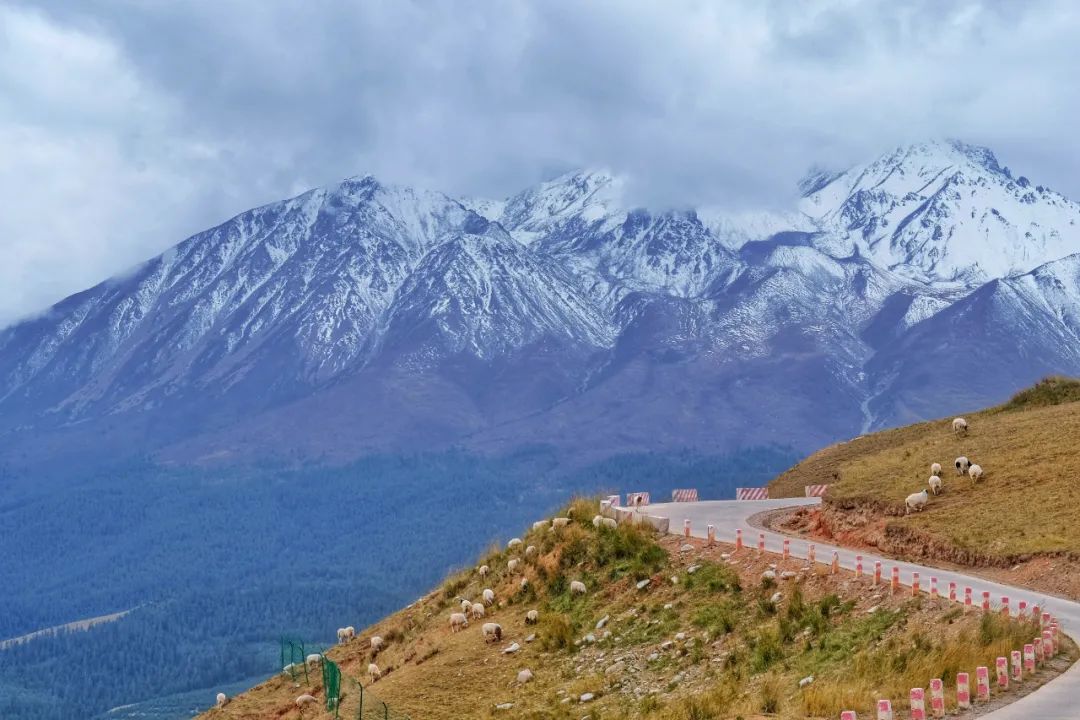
(1024, 509)
(707, 637)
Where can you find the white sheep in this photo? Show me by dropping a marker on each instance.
(975, 472)
(484, 570)
(350, 632)
(962, 465)
(597, 519)
(610, 523)
(373, 672)
(341, 635)
(524, 583)
(489, 596)
(935, 484)
(935, 469)
(916, 501)
(540, 524)
(959, 426)
(532, 617)
(222, 698)
(560, 522)
(514, 542)
(287, 670)
(477, 611)
(577, 588)
(530, 551)
(524, 676)
(512, 565)
(313, 659)
(305, 700)
(466, 606)
(376, 643)
(492, 632)
(458, 621)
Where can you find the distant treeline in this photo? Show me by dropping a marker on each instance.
(221, 562)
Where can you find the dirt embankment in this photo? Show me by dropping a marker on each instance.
(866, 525)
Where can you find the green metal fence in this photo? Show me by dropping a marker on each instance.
(369, 707)
(293, 659)
(331, 681)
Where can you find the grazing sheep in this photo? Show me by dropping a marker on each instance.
(962, 465)
(350, 632)
(532, 617)
(530, 551)
(540, 524)
(304, 700)
(484, 570)
(560, 522)
(376, 643)
(577, 588)
(514, 542)
(492, 632)
(222, 698)
(524, 583)
(512, 565)
(458, 621)
(959, 426)
(935, 484)
(477, 611)
(466, 606)
(287, 670)
(610, 523)
(935, 469)
(597, 520)
(341, 635)
(489, 596)
(916, 501)
(975, 472)
(524, 676)
(373, 672)
(313, 659)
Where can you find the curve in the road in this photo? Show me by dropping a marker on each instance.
(1059, 699)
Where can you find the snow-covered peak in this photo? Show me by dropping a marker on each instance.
(941, 211)
(587, 194)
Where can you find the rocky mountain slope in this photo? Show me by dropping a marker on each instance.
(563, 316)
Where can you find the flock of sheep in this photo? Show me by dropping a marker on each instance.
(917, 501)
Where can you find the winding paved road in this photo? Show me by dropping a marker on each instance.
(1057, 700)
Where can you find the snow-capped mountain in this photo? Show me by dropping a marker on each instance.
(365, 316)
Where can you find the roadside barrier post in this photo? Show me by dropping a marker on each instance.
(1048, 644)
(933, 588)
(761, 542)
(835, 563)
(686, 528)
(918, 704)
(858, 566)
(937, 698)
(1001, 665)
(986, 601)
(811, 553)
(738, 538)
(1016, 659)
(884, 710)
(1037, 645)
(848, 715)
(967, 598)
(914, 584)
(963, 690)
(711, 532)
(1035, 613)
(982, 683)
(877, 573)
(952, 591)
(1021, 609)
(1029, 658)
(1045, 618)
(1005, 606)
(895, 580)
(787, 549)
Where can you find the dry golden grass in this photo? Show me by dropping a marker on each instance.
(1027, 449)
(743, 655)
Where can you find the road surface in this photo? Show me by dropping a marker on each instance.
(1059, 699)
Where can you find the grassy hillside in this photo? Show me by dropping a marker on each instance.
(708, 637)
(1026, 503)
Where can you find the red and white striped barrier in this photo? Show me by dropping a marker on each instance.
(952, 592)
(967, 597)
(884, 710)
(858, 566)
(754, 493)
(686, 528)
(1016, 659)
(918, 704)
(1048, 644)
(761, 542)
(982, 682)
(612, 500)
(687, 495)
(963, 690)
(848, 715)
(815, 490)
(933, 588)
(1037, 644)
(1029, 658)
(1021, 609)
(1001, 667)
(894, 580)
(914, 584)
(1005, 606)
(986, 601)
(637, 499)
(937, 698)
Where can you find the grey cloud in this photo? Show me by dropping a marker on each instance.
(185, 113)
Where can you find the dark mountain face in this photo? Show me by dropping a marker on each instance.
(365, 317)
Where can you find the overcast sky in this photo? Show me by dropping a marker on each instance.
(126, 125)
